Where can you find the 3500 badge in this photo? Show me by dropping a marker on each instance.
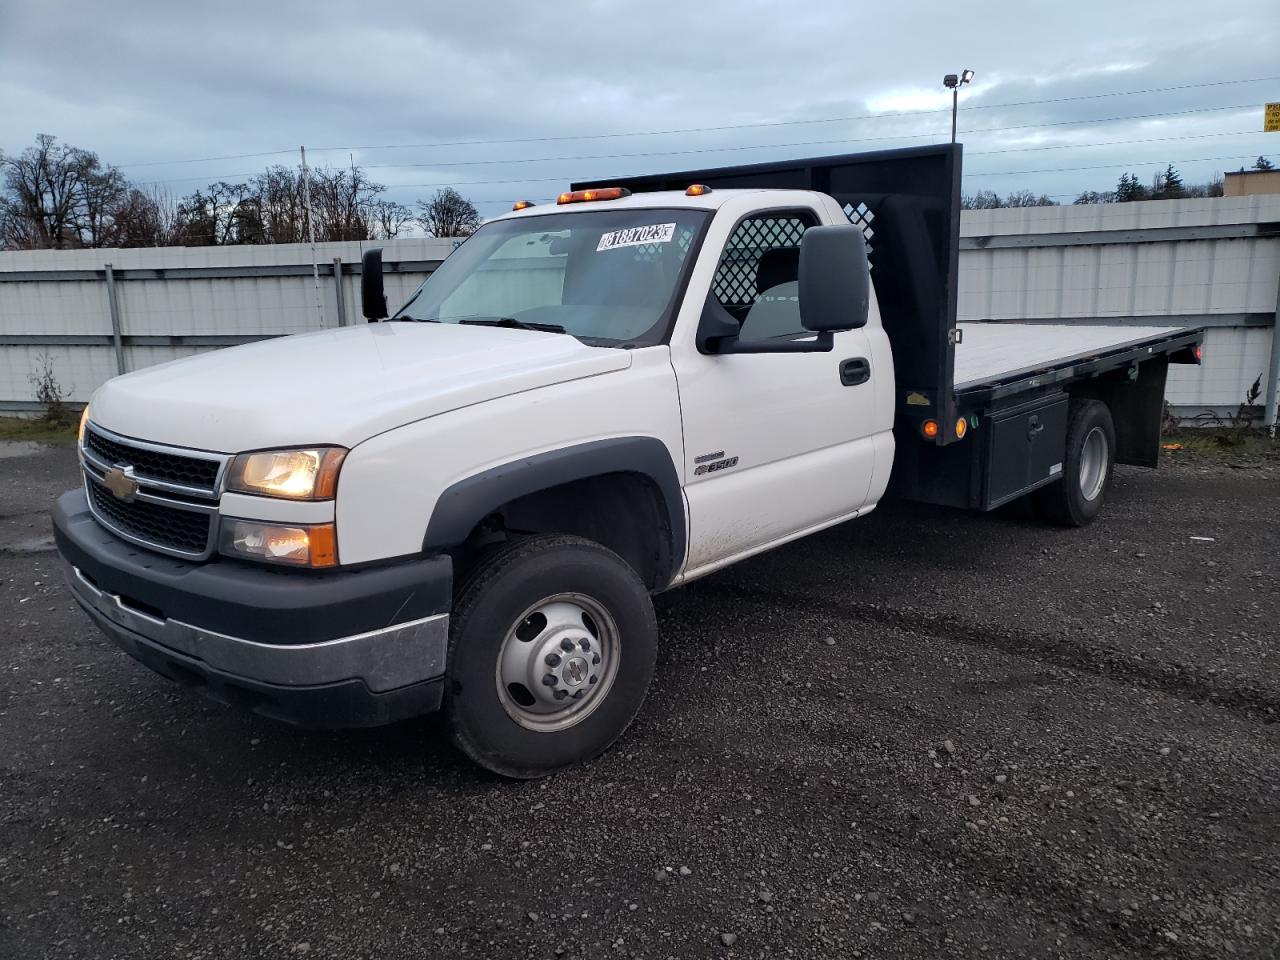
(718, 465)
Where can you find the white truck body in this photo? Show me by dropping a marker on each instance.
(421, 407)
(501, 494)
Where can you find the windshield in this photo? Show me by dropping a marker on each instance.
(608, 277)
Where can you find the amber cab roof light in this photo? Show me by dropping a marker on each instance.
(598, 193)
(697, 190)
(522, 205)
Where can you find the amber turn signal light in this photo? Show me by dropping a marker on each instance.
(930, 429)
(600, 193)
(314, 545)
(962, 427)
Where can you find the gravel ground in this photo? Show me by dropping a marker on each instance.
(925, 734)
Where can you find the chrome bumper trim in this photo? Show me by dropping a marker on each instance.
(384, 659)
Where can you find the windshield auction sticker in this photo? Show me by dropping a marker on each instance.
(636, 236)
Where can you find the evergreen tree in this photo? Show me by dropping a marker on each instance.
(1262, 163)
(1126, 186)
(1171, 183)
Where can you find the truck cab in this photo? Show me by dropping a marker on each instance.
(468, 502)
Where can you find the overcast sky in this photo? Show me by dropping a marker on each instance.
(149, 85)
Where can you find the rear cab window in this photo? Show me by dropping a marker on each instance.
(757, 280)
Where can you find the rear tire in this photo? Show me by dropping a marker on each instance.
(1076, 499)
(552, 646)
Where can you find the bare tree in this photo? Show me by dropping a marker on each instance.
(138, 221)
(271, 208)
(389, 218)
(1094, 196)
(1025, 198)
(279, 209)
(347, 206)
(982, 200)
(448, 214)
(1212, 188)
(56, 195)
(216, 216)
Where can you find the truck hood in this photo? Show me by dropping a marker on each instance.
(338, 386)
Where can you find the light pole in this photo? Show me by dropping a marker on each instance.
(954, 83)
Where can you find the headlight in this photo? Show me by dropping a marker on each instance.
(307, 474)
(315, 545)
(84, 418)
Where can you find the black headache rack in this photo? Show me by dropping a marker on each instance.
(907, 203)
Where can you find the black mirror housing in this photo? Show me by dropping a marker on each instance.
(835, 279)
(715, 327)
(373, 301)
(718, 333)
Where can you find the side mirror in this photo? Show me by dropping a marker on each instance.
(373, 300)
(835, 283)
(716, 327)
(718, 333)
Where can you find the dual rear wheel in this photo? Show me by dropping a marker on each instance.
(1077, 498)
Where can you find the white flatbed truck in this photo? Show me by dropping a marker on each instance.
(467, 505)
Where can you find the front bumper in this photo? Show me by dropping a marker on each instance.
(341, 649)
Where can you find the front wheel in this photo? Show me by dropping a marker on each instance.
(1077, 498)
(551, 649)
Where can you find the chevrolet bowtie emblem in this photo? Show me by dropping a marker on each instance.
(120, 481)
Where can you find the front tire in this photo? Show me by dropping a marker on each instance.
(1077, 498)
(551, 650)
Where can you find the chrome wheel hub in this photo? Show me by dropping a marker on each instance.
(557, 662)
(1093, 464)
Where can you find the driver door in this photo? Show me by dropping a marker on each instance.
(776, 444)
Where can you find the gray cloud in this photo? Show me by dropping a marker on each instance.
(142, 82)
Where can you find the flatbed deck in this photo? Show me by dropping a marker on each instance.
(996, 358)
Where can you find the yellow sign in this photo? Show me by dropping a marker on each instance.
(1271, 118)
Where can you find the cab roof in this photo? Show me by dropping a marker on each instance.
(667, 199)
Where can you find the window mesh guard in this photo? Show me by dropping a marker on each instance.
(860, 215)
(735, 281)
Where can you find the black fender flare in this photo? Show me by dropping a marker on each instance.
(465, 503)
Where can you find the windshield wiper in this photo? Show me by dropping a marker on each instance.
(400, 314)
(513, 323)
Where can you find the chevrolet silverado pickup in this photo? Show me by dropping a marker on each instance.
(467, 504)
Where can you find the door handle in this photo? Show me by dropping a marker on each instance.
(1034, 426)
(854, 371)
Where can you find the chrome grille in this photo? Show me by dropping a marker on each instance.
(193, 471)
(175, 507)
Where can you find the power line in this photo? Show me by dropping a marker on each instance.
(789, 123)
(715, 129)
(1105, 166)
(773, 146)
(802, 143)
(564, 178)
(1113, 143)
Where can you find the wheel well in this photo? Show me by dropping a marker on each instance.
(1135, 398)
(622, 511)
